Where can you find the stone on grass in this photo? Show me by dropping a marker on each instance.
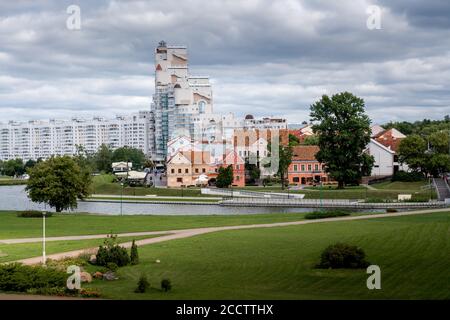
(93, 259)
(85, 277)
(109, 276)
(157, 261)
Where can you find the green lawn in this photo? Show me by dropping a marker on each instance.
(11, 182)
(12, 252)
(12, 226)
(399, 185)
(277, 263)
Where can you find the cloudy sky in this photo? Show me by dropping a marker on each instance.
(263, 57)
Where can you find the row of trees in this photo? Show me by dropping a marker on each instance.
(427, 154)
(100, 161)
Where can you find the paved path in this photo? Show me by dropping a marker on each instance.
(186, 233)
(441, 188)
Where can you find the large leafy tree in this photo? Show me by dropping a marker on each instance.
(412, 151)
(128, 154)
(13, 167)
(343, 130)
(225, 177)
(58, 182)
(103, 158)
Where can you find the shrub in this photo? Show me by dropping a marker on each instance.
(326, 214)
(33, 214)
(407, 176)
(134, 255)
(112, 252)
(62, 264)
(341, 255)
(112, 266)
(166, 285)
(21, 278)
(142, 284)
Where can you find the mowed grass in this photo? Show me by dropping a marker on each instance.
(64, 224)
(278, 263)
(400, 185)
(13, 252)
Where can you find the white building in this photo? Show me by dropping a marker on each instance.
(178, 97)
(42, 139)
(384, 159)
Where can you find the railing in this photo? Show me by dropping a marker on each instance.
(330, 203)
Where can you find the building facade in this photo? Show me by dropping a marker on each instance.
(42, 139)
(305, 169)
(178, 97)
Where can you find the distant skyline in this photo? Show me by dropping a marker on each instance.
(263, 57)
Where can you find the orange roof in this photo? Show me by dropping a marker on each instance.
(304, 153)
(197, 157)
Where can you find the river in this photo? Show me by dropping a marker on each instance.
(15, 198)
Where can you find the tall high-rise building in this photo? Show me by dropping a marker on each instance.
(178, 97)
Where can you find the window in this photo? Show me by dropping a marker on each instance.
(316, 167)
(303, 167)
(179, 170)
(237, 178)
(172, 171)
(186, 170)
(201, 106)
(237, 167)
(296, 179)
(309, 167)
(203, 170)
(295, 167)
(196, 170)
(179, 179)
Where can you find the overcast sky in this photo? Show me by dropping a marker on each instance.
(263, 57)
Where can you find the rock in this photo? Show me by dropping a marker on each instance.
(157, 261)
(109, 276)
(93, 259)
(85, 277)
(98, 275)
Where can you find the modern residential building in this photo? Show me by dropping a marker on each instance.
(42, 139)
(178, 97)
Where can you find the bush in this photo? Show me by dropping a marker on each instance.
(112, 266)
(142, 285)
(326, 214)
(166, 285)
(391, 210)
(33, 214)
(341, 255)
(134, 255)
(21, 278)
(115, 254)
(407, 176)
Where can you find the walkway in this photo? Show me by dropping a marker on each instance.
(441, 188)
(186, 233)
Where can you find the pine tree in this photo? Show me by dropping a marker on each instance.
(134, 256)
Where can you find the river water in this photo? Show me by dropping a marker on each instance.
(15, 198)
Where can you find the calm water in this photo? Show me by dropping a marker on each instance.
(15, 198)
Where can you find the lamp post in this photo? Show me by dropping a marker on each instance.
(44, 258)
(321, 204)
(121, 197)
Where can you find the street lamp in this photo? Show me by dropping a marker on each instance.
(121, 197)
(44, 259)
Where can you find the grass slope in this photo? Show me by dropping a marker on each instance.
(277, 263)
(12, 226)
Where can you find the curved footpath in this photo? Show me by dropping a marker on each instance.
(186, 233)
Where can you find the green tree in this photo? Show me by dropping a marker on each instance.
(311, 140)
(285, 154)
(29, 164)
(128, 154)
(134, 255)
(58, 182)
(412, 152)
(225, 177)
(343, 129)
(293, 140)
(439, 141)
(103, 159)
(13, 167)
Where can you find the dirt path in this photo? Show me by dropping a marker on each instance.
(186, 233)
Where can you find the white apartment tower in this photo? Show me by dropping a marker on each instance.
(178, 98)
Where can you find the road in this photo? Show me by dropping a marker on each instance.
(186, 233)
